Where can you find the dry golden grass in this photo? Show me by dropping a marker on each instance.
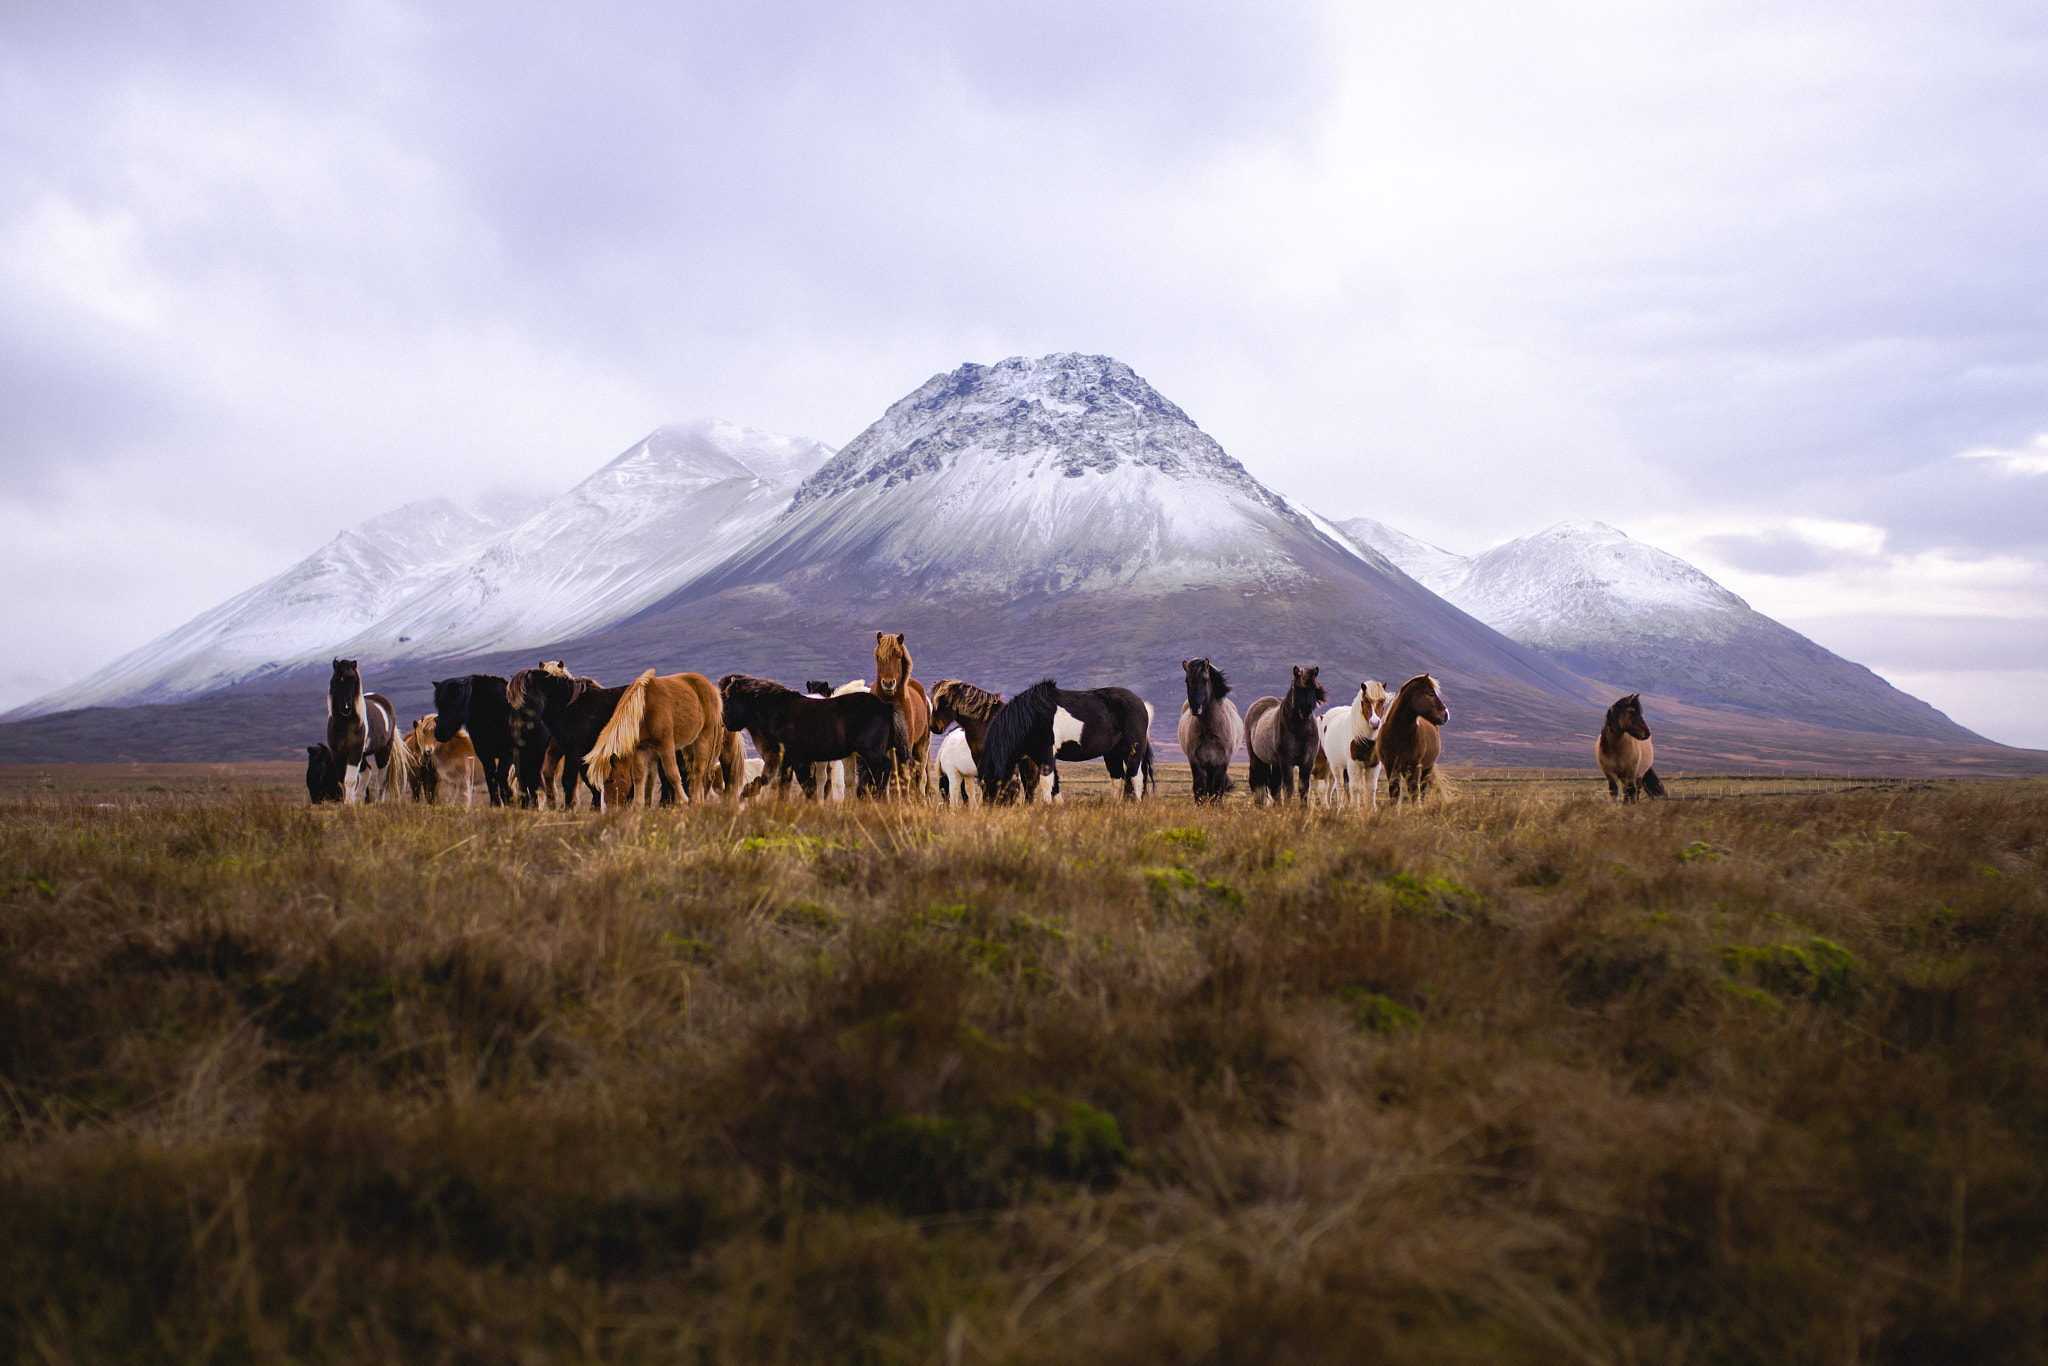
(1521, 1076)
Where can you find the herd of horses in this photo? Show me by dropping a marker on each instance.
(544, 734)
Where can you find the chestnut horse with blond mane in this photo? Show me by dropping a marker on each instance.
(907, 695)
(672, 715)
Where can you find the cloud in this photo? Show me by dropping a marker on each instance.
(2026, 460)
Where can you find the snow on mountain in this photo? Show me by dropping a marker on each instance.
(1066, 473)
(665, 511)
(1616, 609)
(431, 579)
(1434, 568)
(325, 598)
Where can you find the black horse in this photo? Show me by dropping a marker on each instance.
(476, 703)
(792, 732)
(323, 778)
(529, 725)
(1210, 728)
(572, 712)
(1281, 736)
(1047, 722)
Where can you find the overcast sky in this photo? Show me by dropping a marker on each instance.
(1763, 284)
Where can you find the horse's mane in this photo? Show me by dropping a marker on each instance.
(755, 689)
(1406, 697)
(1013, 726)
(1621, 707)
(1219, 686)
(978, 704)
(1322, 693)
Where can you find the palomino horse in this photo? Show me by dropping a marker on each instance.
(362, 735)
(1210, 728)
(1408, 743)
(1281, 738)
(476, 703)
(793, 732)
(453, 762)
(1349, 759)
(1626, 753)
(1046, 722)
(893, 681)
(675, 716)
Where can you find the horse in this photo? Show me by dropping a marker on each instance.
(531, 738)
(423, 780)
(1625, 752)
(1408, 743)
(957, 769)
(362, 730)
(476, 703)
(1349, 759)
(893, 681)
(323, 779)
(1210, 728)
(1047, 722)
(792, 732)
(828, 778)
(678, 717)
(1281, 738)
(450, 761)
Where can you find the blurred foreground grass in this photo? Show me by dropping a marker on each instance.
(1521, 1076)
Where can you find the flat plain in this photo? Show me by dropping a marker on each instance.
(1756, 1074)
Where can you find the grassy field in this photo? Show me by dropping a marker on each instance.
(1758, 1076)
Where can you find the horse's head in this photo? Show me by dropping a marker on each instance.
(451, 707)
(423, 734)
(817, 687)
(323, 781)
(1426, 698)
(558, 667)
(892, 664)
(735, 704)
(344, 688)
(1200, 690)
(945, 705)
(1305, 692)
(1626, 716)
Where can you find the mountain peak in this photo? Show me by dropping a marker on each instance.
(1066, 415)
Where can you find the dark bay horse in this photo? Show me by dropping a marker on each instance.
(323, 779)
(1281, 737)
(362, 735)
(1408, 744)
(1625, 751)
(792, 732)
(476, 703)
(1046, 722)
(1210, 728)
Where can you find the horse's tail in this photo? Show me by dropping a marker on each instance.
(621, 734)
(1652, 785)
(1146, 760)
(400, 759)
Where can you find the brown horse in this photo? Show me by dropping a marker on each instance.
(452, 763)
(1408, 744)
(1626, 753)
(907, 695)
(666, 715)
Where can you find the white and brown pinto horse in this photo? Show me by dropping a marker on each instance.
(362, 735)
(1408, 743)
(1350, 762)
(1625, 752)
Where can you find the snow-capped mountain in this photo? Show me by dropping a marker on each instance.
(431, 580)
(329, 596)
(1054, 515)
(1063, 474)
(1616, 609)
(650, 521)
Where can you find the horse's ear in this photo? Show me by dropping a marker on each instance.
(899, 637)
(881, 636)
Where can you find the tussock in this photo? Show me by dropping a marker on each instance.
(1510, 1077)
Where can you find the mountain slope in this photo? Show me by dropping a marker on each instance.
(1616, 609)
(660, 514)
(324, 599)
(1058, 516)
